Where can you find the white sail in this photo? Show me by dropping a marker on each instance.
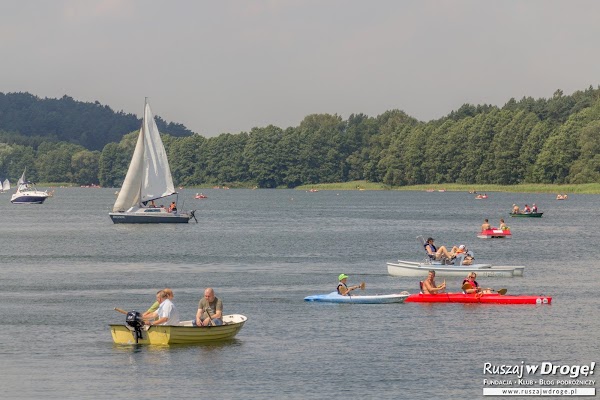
(6, 185)
(22, 178)
(149, 176)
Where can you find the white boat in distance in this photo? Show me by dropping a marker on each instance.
(5, 186)
(409, 268)
(27, 192)
(148, 178)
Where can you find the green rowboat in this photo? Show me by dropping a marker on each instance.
(527, 215)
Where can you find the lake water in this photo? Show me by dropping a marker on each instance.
(66, 266)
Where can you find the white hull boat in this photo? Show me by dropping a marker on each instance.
(27, 192)
(334, 297)
(409, 268)
(148, 178)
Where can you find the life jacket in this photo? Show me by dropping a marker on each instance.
(341, 284)
(433, 249)
(471, 282)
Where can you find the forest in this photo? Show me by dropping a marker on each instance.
(553, 141)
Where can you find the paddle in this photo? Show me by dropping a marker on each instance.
(361, 287)
(468, 286)
(121, 311)
(211, 321)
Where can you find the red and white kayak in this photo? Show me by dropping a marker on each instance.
(200, 196)
(494, 233)
(492, 298)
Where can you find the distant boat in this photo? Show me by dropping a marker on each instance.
(5, 186)
(148, 178)
(27, 192)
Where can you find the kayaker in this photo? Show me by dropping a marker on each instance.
(167, 313)
(342, 288)
(429, 286)
(486, 225)
(210, 310)
(435, 253)
(470, 279)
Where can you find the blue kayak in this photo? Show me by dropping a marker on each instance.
(334, 297)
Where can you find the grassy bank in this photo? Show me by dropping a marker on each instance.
(589, 188)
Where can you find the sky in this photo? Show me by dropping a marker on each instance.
(227, 66)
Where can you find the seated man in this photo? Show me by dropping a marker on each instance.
(435, 253)
(515, 209)
(429, 286)
(210, 310)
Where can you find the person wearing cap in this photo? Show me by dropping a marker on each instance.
(462, 255)
(342, 288)
(435, 253)
(429, 286)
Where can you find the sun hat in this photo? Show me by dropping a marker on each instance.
(462, 246)
(342, 276)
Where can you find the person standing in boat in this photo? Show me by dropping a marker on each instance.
(210, 310)
(167, 313)
(429, 286)
(342, 288)
(470, 279)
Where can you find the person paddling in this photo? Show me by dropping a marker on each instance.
(343, 289)
(470, 285)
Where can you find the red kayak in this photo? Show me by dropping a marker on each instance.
(492, 298)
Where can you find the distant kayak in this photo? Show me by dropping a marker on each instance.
(334, 297)
(491, 298)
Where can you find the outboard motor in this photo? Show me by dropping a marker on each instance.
(134, 319)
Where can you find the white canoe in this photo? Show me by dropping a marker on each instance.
(409, 268)
(334, 297)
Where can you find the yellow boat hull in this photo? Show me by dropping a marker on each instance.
(184, 333)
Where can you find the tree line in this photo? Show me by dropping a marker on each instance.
(554, 140)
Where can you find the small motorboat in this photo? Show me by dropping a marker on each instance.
(527, 215)
(478, 298)
(134, 332)
(334, 297)
(200, 196)
(494, 233)
(27, 193)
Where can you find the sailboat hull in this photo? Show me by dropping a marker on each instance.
(149, 218)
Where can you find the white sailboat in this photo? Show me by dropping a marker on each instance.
(5, 186)
(27, 192)
(148, 178)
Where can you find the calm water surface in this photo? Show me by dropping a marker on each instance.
(66, 266)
